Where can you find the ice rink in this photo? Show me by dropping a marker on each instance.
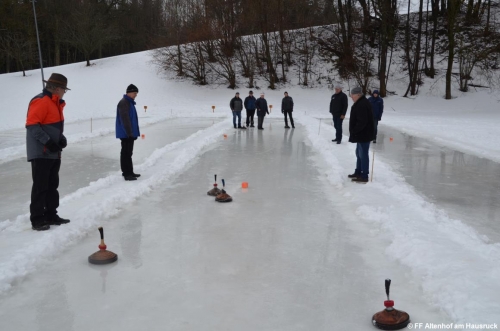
(281, 256)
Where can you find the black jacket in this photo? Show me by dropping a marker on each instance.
(338, 104)
(261, 105)
(287, 104)
(361, 124)
(236, 104)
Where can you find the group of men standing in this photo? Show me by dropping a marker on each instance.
(363, 123)
(260, 105)
(45, 139)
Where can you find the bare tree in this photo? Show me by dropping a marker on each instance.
(87, 30)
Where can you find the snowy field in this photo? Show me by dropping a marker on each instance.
(302, 249)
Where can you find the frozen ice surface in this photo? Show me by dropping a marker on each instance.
(279, 257)
(86, 161)
(466, 186)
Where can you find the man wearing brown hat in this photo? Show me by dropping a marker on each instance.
(44, 142)
(127, 130)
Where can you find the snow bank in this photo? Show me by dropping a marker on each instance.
(458, 270)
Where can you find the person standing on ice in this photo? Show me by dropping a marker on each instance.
(236, 105)
(378, 108)
(127, 130)
(361, 131)
(338, 109)
(250, 108)
(262, 110)
(287, 109)
(44, 143)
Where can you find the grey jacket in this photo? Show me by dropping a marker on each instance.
(236, 104)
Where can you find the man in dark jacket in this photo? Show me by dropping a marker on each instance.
(378, 108)
(338, 109)
(44, 142)
(236, 105)
(127, 130)
(262, 110)
(287, 109)
(250, 108)
(361, 130)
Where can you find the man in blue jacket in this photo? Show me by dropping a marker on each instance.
(378, 108)
(127, 130)
(250, 108)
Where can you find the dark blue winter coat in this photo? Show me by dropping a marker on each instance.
(127, 123)
(377, 106)
(250, 103)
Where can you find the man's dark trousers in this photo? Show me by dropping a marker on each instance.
(260, 121)
(126, 156)
(362, 159)
(375, 121)
(289, 113)
(250, 114)
(337, 123)
(44, 194)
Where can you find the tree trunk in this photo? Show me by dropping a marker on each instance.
(452, 11)
(417, 50)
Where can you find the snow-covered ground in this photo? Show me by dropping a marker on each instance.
(443, 269)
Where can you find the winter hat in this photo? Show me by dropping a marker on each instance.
(338, 86)
(375, 92)
(58, 80)
(132, 88)
(357, 90)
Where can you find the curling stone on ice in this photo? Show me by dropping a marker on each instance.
(102, 256)
(223, 196)
(390, 318)
(215, 191)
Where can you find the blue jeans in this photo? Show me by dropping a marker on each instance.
(362, 159)
(237, 113)
(337, 123)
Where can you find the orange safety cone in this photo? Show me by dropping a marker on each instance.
(391, 139)
(143, 136)
(244, 185)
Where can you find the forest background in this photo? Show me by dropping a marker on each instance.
(218, 41)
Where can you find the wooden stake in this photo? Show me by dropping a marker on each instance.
(319, 129)
(91, 125)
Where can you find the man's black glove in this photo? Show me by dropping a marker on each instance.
(268, 113)
(52, 146)
(282, 111)
(63, 142)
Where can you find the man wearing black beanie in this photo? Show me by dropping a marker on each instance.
(127, 130)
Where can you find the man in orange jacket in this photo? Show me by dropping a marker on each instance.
(44, 143)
